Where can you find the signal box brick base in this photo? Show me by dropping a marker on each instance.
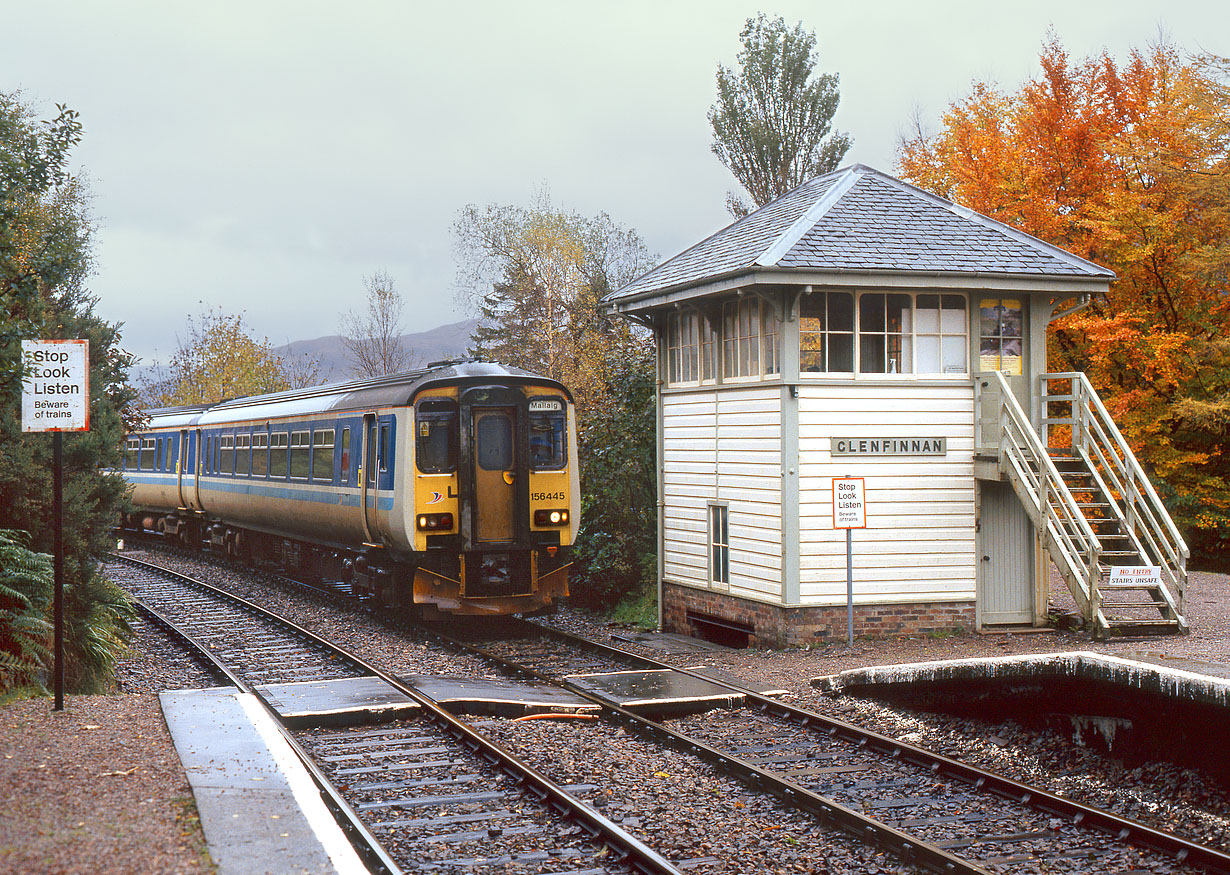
(709, 614)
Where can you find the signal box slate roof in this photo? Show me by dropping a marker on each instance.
(858, 220)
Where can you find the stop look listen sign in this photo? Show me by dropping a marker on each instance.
(55, 385)
(55, 397)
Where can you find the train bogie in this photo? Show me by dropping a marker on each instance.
(455, 486)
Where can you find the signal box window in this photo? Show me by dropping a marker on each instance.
(1001, 342)
(826, 333)
(322, 454)
(278, 442)
(435, 437)
(548, 434)
(885, 336)
(940, 331)
(719, 544)
(300, 448)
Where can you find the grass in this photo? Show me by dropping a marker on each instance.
(638, 609)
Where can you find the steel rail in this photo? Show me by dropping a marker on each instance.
(1134, 832)
(868, 830)
(624, 847)
(365, 844)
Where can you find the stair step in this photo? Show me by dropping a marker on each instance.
(1141, 627)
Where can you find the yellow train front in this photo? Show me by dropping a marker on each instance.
(495, 493)
(454, 488)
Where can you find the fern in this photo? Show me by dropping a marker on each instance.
(25, 594)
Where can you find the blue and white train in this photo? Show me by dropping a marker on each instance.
(454, 487)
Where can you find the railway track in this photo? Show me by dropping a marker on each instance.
(935, 813)
(419, 794)
(917, 804)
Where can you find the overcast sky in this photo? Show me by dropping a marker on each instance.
(266, 156)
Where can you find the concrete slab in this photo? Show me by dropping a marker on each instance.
(718, 675)
(259, 809)
(659, 691)
(669, 642)
(337, 702)
(498, 696)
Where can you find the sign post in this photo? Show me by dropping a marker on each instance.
(55, 397)
(849, 513)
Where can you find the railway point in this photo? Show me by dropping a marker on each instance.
(859, 329)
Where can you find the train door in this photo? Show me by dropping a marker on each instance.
(181, 463)
(495, 496)
(376, 448)
(197, 467)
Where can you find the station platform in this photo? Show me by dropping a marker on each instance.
(1139, 709)
(259, 809)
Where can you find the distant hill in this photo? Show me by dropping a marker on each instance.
(444, 342)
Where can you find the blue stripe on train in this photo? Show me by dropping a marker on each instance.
(315, 496)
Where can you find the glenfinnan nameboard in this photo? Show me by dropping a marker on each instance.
(889, 446)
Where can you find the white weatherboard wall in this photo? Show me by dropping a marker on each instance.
(724, 444)
(919, 541)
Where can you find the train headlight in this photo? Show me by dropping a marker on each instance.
(433, 522)
(551, 517)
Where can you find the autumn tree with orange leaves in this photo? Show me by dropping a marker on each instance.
(1128, 165)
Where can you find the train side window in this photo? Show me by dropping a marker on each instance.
(260, 454)
(278, 442)
(322, 454)
(243, 454)
(369, 459)
(435, 445)
(548, 434)
(300, 459)
(345, 456)
(132, 452)
(386, 447)
(228, 454)
(148, 454)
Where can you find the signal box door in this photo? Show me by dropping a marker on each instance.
(495, 494)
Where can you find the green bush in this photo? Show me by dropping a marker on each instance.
(25, 598)
(616, 551)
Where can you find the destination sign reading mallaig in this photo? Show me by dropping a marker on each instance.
(55, 388)
(908, 446)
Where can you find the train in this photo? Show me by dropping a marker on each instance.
(451, 489)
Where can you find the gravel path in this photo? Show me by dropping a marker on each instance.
(104, 822)
(96, 788)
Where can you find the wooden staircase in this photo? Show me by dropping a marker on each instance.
(1102, 522)
(1131, 607)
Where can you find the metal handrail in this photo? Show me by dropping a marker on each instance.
(1095, 436)
(1055, 509)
